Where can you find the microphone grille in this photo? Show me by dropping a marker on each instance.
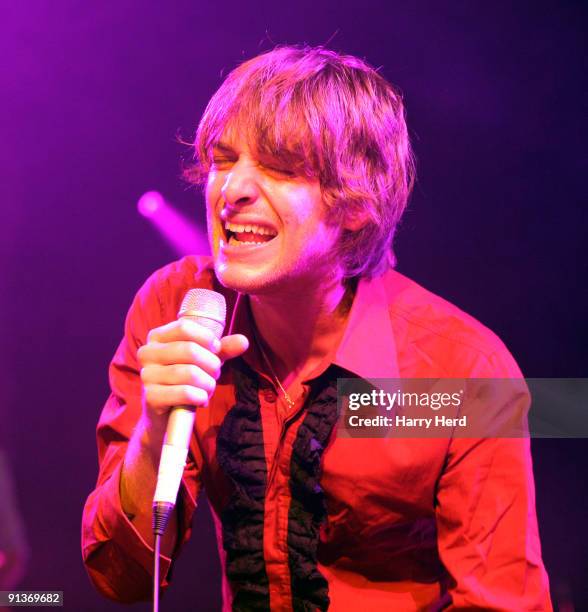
(209, 307)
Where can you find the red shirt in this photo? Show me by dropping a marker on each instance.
(307, 519)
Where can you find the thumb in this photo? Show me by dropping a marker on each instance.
(232, 346)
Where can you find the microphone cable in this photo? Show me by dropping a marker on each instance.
(157, 547)
(208, 309)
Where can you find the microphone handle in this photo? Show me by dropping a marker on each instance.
(175, 448)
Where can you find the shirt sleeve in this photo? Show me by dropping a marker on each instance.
(487, 527)
(118, 560)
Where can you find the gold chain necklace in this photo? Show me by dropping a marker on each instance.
(268, 365)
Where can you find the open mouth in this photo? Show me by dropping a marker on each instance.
(248, 234)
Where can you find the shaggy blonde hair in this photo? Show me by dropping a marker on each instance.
(330, 117)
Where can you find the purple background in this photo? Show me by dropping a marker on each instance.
(92, 98)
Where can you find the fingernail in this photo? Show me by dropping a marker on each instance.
(216, 345)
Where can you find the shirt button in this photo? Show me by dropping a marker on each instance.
(269, 395)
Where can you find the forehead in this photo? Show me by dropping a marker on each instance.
(264, 148)
(262, 127)
(233, 140)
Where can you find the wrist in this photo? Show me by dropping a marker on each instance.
(150, 433)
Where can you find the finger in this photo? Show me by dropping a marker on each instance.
(233, 346)
(178, 374)
(160, 398)
(181, 352)
(185, 328)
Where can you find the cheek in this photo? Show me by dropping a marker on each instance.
(304, 206)
(212, 194)
(211, 186)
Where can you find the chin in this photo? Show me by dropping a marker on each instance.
(243, 281)
(257, 281)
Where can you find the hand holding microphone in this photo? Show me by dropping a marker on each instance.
(180, 364)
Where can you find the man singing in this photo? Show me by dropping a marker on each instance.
(307, 169)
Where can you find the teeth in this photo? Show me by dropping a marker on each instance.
(234, 242)
(255, 229)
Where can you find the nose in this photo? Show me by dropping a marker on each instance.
(240, 187)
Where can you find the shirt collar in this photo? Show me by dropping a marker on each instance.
(367, 347)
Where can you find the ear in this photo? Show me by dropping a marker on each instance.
(355, 220)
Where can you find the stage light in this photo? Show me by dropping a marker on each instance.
(183, 235)
(150, 202)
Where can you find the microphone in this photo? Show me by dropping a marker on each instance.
(207, 308)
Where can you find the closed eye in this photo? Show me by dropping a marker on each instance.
(280, 170)
(222, 162)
